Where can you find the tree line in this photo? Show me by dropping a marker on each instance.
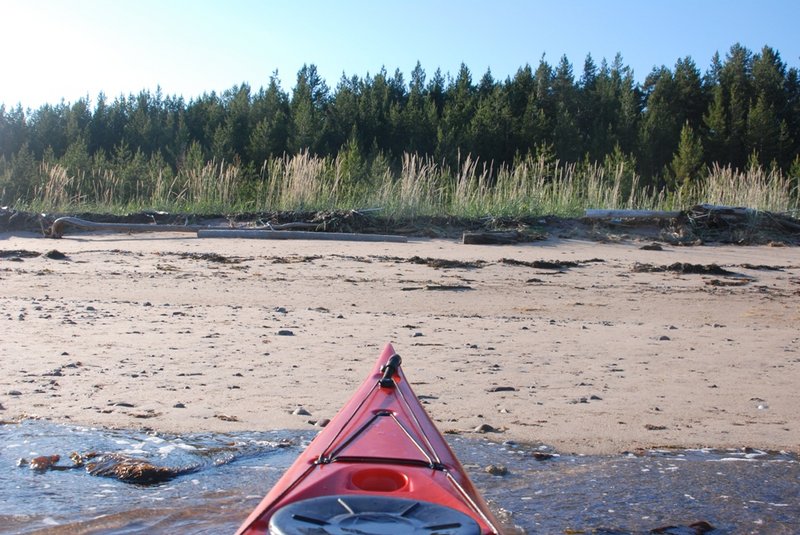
(743, 110)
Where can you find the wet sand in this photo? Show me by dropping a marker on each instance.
(585, 346)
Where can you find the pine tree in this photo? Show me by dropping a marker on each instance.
(691, 100)
(486, 84)
(271, 116)
(736, 82)
(307, 127)
(763, 131)
(769, 74)
(237, 122)
(490, 127)
(630, 112)
(204, 116)
(792, 118)
(48, 129)
(13, 130)
(737, 126)
(458, 111)
(22, 177)
(77, 121)
(688, 160)
(566, 138)
(716, 126)
(419, 116)
(660, 129)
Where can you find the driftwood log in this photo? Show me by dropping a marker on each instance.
(57, 228)
(298, 235)
(492, 237)
(630, 214)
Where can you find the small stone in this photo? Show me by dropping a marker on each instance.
(285, 332)
(542, 456)
(595, 397)
(496, 470)
(300, 411)
(486, 428)
(664, 338)
(651, 247)
(90, 308)
(14, 393)
(322, 423)
(280, 310)
(55, 255)
(179, 405)
(501, 389)
(417, 334)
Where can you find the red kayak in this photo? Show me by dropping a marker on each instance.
(380, 467)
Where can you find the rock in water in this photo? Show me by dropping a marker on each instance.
(127, 469)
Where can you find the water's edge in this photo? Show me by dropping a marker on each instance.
(222, 477)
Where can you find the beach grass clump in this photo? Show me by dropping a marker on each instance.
(417, 185)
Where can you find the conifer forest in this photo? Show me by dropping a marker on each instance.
(551, 138)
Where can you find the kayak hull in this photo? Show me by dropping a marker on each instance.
(380, 451)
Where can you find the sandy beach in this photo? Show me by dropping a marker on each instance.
(588, 347)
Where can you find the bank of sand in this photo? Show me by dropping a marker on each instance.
(181, 334)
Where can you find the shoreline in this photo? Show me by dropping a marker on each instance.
(561, 342)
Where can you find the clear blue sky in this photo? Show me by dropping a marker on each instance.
(67, 49)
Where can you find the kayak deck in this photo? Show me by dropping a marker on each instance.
(380, 465)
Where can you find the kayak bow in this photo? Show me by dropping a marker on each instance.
(380, 467)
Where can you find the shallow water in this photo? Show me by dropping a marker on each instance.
(735, 491)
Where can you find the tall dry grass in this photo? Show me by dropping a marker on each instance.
(419, 186)
(755, 188)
